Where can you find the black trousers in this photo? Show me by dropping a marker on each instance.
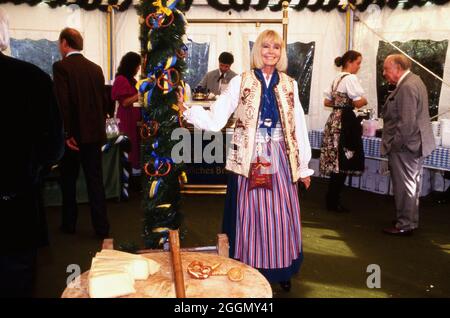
(17, 274)
(335, 186)
(90, 157)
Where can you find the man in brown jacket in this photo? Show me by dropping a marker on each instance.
(79, 86)
(407, 140)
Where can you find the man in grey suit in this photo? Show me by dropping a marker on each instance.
(407, 140)
(214, 80)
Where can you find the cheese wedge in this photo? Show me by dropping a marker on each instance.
(111, 264)
(108, 283)
(113, 273)
(143, 267)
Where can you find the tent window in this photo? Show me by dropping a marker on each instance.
(196, 62)
(42, 53)
(429, 53)
(300, 67)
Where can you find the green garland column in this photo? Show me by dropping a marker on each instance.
(162, 48)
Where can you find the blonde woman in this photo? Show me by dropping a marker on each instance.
(269, 154)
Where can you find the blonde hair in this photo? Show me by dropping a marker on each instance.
(256, 60)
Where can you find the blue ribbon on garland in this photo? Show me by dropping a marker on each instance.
(171, 61)
(146, 86)
(159, 160)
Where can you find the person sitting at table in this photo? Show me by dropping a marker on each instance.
(342, 150)
(126, 94)
(216, 80)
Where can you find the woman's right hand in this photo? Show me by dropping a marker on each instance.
(180, 99)
(306, 181)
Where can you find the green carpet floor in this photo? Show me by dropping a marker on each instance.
(337, 247)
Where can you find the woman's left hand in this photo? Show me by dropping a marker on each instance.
(306, 181)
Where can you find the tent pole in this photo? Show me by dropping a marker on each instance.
(110, 41)
(285, 5)
(349, 27)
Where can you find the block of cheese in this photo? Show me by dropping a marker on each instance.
(108, 283)
(113, 273)
(100, 264)
(142, 266)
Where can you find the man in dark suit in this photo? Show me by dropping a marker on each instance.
(79, 86)
(407, 140)
(32, 141)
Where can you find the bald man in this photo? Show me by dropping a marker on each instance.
(407, 140)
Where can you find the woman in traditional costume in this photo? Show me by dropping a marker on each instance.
(268, 155)
(342, 152)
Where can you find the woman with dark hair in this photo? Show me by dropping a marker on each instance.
(342, 150)
(125, 93)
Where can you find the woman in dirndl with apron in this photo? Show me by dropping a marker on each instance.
(342, 152)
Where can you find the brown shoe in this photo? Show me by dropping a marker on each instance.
(399, 232)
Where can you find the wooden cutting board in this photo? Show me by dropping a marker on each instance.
(160, 285)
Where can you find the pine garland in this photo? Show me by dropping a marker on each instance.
(162, 204)
(240, 5)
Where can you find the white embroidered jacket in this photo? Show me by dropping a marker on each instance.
(243, 95)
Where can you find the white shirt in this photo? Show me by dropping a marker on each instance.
(403, 76)
(72, 53)
(217, 117)
(349, 85)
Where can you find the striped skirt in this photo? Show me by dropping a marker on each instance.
(268, 229)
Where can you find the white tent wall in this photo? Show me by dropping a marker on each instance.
(327, 29)
(429, 22)
(42, 22)
(126, 34)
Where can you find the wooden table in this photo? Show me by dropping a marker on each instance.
(160, 285)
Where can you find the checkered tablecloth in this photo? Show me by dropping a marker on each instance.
(439, 159)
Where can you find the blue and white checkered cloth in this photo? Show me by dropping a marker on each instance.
(439, 158)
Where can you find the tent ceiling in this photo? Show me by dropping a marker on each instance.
(243, 5)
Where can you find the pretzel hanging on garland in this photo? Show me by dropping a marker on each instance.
(160, 166)
(150, 129)
(162, 170)
(168, 80)
(156, 20)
